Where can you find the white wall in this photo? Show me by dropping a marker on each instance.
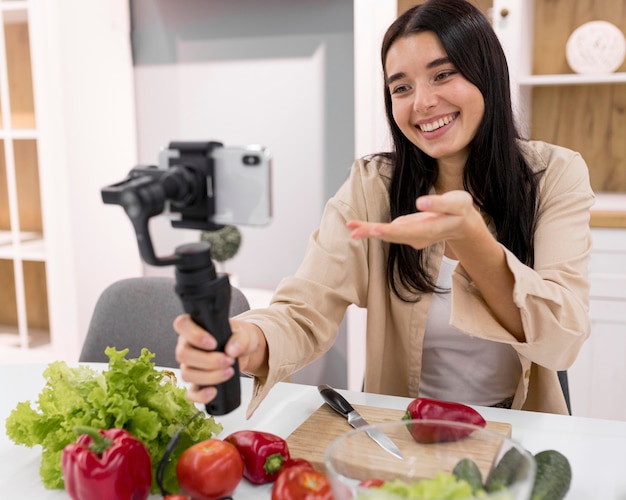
(210, 71)
(219, 100)
(599, 369)
(83, 87)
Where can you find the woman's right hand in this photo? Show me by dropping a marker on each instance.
(204, 367)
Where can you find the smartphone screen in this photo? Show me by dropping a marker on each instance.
(242, 185)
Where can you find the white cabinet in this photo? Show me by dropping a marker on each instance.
(68, 129)
(598, 375)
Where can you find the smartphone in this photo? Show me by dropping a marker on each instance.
(242, 185)
(239, 191)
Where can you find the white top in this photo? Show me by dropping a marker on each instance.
(457, 367)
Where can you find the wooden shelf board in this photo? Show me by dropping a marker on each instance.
(18, 133)
(14, 11)
(608, 218)
(571, 79)
(33, 250)
(32, 246)
(9, 337)
(6, 238)
(609, 210)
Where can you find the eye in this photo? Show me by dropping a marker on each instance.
(444, 75)
(399, 89)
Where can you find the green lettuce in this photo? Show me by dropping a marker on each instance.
(131, 394)
(443, 486)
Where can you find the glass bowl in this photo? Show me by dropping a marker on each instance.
(428, 465)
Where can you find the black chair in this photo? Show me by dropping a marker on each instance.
(565, 386)
(138, 312)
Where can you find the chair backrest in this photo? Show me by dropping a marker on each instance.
(138, 312)
(565, 387)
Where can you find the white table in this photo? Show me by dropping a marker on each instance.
(595, 448)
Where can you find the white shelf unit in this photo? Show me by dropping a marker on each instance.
(72, 135)
(21, 225)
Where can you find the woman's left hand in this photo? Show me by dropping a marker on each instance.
(453, 218)
(447, 217)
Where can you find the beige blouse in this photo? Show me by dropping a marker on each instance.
(302, 322)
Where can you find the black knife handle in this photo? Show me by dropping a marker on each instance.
(336, 401)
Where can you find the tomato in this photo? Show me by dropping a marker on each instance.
(176, 497)
(301, 482)
(209, 470)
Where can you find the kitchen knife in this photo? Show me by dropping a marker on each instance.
(338, 403)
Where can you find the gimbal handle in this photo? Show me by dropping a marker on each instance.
(206, 297)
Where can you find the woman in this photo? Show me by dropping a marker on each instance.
(467, 245)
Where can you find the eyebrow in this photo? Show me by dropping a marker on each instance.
(432, 64)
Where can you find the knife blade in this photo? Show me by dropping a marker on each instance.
(338, 403)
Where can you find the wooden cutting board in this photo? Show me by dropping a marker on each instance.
(315, 434)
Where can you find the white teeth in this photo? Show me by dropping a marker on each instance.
(429, 127)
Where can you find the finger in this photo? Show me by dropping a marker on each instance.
(381, 230)
(202, 377)
(190, 355)
(362, 229)
(452, 202)
(201, 394)
(400, 230)
(240, 341)
(194, 333)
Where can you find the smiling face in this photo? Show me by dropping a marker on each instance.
(434, 106)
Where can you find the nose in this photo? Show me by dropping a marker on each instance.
(425, 98)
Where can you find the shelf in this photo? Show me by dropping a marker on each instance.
(608, 219)
(13, 4)
(9, 337)
(6, 238)
(24, 133)
(609, 211)
(13, 10)
(571, 79)
(34, 250)
(32, 246)
(610, 202)
(17, 84)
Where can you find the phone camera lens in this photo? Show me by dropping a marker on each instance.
(251, 160)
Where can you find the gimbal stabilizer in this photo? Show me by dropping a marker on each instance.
(188, 186)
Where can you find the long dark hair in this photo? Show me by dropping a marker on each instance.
(495, 174)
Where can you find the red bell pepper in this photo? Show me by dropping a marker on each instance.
(263, 454)
(371, 483)
(434, 409)
(106, 464)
